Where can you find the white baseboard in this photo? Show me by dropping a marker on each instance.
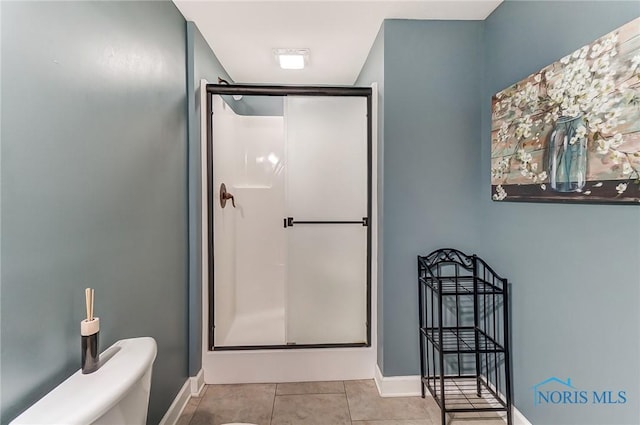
(518, 417)
(176, 408)
(397, 386)
(409, 386)
(197, 384)
(193, 387)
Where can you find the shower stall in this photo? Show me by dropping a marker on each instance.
(289, 174)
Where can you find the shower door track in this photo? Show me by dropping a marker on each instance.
(279, 90)
(288, 346)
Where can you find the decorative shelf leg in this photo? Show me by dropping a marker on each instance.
(507, 358)
(443, 396)
(421, 339)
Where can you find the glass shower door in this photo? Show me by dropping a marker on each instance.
(326, 224)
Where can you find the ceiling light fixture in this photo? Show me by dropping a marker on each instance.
(292, 58)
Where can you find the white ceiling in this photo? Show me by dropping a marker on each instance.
(339, 34)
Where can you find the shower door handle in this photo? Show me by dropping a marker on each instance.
(289, 222)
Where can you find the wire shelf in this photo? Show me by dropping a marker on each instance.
(464, 329)
(461, 285)
(461, 394)
(461, 340)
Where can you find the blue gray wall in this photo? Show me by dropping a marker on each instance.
(373, 72)
(202, 63)
(431, 164)
(575, 269)
(94, 189)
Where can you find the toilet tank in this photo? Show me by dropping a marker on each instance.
(117, 393)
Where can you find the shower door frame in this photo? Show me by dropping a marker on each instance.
(280, 90)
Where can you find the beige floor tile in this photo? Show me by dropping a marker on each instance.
(459, 404)
(475, 421)
(327, 387)
(395, 422)
(188, 411)
(319, 403)
(311, 409)
(366, 404)
(433, 410)
(238, 390)
(476, 418)
(221, 404)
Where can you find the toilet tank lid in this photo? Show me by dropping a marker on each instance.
(82, 399)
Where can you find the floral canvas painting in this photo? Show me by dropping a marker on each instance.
(571, 132)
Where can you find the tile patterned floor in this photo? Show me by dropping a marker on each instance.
(316, 403)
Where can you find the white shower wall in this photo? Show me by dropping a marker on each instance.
(224, 224)
(249, 284)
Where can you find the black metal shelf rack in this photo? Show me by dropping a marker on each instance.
(464, 329)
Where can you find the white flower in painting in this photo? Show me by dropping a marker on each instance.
(531, 92)
(603, 146)
(500, 193)
(542, 175)
(565, 60)
(571, 110)
(635, 62)
(503, 132)
(523, 156)
(608, 86)
(616, 140)
(617, 157)
(587, 192)
(499, 171)
(613, 114)
(534, 166)
(581, 132)
(599, 184)
(594, 124)
(610, 42)
(583, 52)
(621, 188)
(626, 169)
(596, 49)
(543, 186)
(537, 78)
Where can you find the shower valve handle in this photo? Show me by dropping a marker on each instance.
(230, 196)
(224, 196)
